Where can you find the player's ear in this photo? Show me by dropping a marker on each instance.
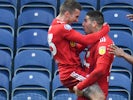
(94, 23)
(67, 14)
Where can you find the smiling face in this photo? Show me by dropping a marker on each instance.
(93, 22)
(88, 25)
(72, 17)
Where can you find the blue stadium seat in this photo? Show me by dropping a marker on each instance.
(36, 60)
(59, 92)
(117, 17)
(30, 82)
(7, 20)
(47, 5)
(122, 64)
(91, 4)
(117, 95)
(11, 2)
(115, 12)
(6, 63)
(115, 3)
(29, 95)
(10, 5)
(4, 87)
(34, 18)
(32, 39)
(120, 82)
(7, 41)
(119, 37)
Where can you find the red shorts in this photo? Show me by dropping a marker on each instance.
(73, 77)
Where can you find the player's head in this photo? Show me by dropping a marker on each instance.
(93, 21)
(71, 10)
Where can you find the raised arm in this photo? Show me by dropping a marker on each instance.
(87, 39)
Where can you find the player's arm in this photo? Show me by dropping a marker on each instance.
(93, 76)
(103, 63)
(80, 47)
(88, 87)
(73, 35)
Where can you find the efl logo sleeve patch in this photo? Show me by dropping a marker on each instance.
(102, 50)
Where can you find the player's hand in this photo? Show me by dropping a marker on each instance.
(77, 91)
(106, 25)
(113, 49)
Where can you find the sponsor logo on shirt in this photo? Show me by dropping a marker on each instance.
(67, 27)
(102, 50)
(72, 44)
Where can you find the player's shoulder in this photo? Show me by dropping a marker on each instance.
(62, 24)
(103, 44)
(67, 27)
(105, 40)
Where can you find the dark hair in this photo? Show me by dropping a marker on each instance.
(70, 5)
(96, 16)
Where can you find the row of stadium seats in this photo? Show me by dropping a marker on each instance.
(115, 10)
(39, 21)
(34, 85)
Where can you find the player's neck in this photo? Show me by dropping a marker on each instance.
(61, 18)
(98, 28)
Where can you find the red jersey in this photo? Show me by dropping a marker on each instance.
(62, 39)
(98, 63)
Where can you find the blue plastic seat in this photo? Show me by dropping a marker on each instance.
(119, 37)
(117, 95)
(36, 60)
(7, 20)
(7, 41)
(120, 82)
(121, 64)
(32, 39)
(4, 87)
(47, 5)
(59, 92)
(34, 18)
(12, 2)
(3, 96)
(29, 95)
(115, 12)
(6, 63)
(117, 17)
(10, 5)
(30, 82)
(115, 3)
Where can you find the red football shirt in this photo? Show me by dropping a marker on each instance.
(98, 63)
(62, 39)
